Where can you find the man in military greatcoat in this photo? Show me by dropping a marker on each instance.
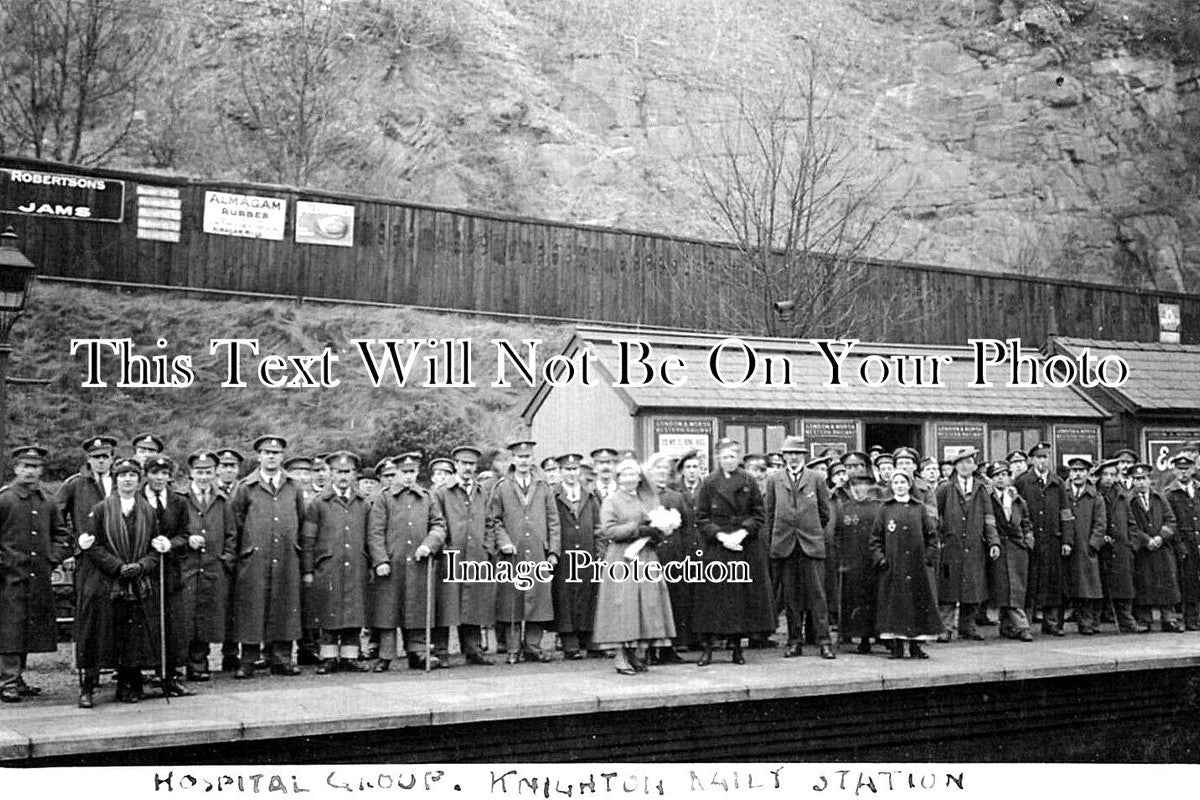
(229, 472)
(1152, 533)
(969, 541)
(464, 509)
(269, 507)
(33, 540)
(797, 513)
(524, 519)
(579, 517)
(604, 459)
(1009, 572)
(405, 530)
(1084, 533)
(80, 492)
(207, 561)
(1046, 497)
(335, 563)
(1116, 556)
(1184, 497)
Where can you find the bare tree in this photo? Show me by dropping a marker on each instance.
(70, 71)
(292, 88)
(783, 183)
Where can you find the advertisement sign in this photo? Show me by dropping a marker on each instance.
(1163, 443)
(1169, 318)
(159, 213)
(49, 194)
(952, 438)
(1073, 441)
(677, 436)
(839, 435)
(246, 215)
(324, 223)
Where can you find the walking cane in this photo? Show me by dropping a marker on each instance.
(841, 620)
(428, 609)
(162, 624)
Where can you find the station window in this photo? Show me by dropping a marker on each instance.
(1005, 439)
(757, 437)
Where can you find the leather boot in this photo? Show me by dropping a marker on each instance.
(706, 656)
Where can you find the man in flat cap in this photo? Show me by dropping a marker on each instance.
(1084, 533)
(464, 507)
(1152, 533)
(524, 520)
(579, 521)
(335, 565)
(80, 492)
(1046, 496)
(1009, 572)
(405, 531)
(969, 542)
(269, 507)
(1116, 556)
(440, 472)
(604, 459)
(34, 539)
(1184, 496)
(797, 513)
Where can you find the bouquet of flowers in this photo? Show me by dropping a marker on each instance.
(660, 523)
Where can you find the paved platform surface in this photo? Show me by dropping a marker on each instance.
(225, 710)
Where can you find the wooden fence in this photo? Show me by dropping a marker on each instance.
(412, 254)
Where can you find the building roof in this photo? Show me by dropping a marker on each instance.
(1162, 377)
(809, 387)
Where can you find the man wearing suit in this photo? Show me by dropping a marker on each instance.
(797, 511)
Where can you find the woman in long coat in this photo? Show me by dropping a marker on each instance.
(1009, 571)
(631, 615)
(729, 503)
(855, 507)
(116, 621)
(903, 548)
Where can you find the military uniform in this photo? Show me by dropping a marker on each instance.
(334, 552)
(1184, 498)
(464, 510)
(33, 539)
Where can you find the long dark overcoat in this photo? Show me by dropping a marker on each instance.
(402, 520)
(905, 535)
(116, 619)
(1155, 579)
(77, 497)
(467, 532)
(724, 504)
(1008, 573)
(206, 572)
(1085, 533)
(333, 547)
(853, 522)
(1047, 502)
(33, 539)
(575, 603)
(1116, 559)
(1187, 539)
(529, 522)
(680, 545)
(966, 531)
(266, 590)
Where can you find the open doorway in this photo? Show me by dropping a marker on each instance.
(890, 435)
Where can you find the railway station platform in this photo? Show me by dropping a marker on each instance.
(1077, 698)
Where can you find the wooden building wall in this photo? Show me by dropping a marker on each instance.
(412, 254)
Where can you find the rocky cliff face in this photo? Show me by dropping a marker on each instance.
(1048, 137)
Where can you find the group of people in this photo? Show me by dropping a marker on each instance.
(357, 563)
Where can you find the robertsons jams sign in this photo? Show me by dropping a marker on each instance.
(48, 194)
